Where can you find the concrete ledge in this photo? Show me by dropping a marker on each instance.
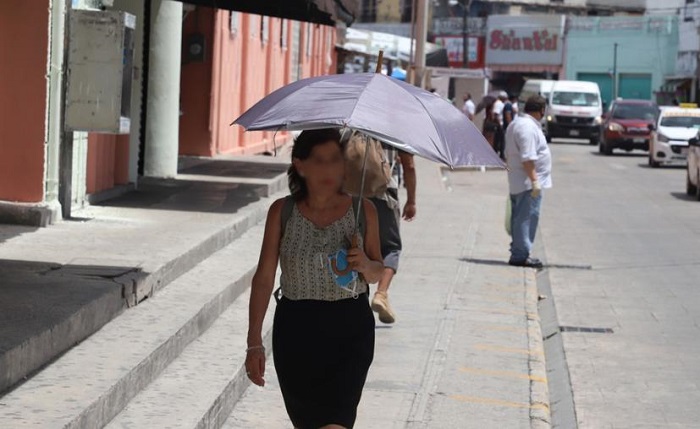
(540, 415)
(39, 348)
(105, 372)
(40, 214)
(216, 360)
(252, 215)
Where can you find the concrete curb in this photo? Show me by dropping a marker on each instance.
(540, 415)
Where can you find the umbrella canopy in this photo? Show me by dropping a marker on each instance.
(488, 100)
(399, 114)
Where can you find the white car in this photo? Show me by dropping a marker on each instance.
(669, 141)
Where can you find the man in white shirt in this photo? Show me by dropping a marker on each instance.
(529, 172)
(469, 107)
(499, 104)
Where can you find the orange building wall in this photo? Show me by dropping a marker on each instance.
(195, 85)
(107, 162)
(242, 68)
(23, 59)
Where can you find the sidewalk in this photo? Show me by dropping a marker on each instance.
(60, 284)
(466, 351)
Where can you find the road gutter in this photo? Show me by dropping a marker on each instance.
(562, 406)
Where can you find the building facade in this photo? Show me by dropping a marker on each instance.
(646, 54)
(193, 71)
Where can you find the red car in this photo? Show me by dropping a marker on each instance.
(626, 125)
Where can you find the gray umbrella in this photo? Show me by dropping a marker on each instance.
(402, 115)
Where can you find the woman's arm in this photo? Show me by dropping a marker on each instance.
(370, 263)
(261, 290)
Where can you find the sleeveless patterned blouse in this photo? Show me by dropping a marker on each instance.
(303, 258)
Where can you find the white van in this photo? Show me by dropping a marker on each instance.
(535, 87)
(574, 110)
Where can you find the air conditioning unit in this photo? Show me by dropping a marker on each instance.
(99, 72)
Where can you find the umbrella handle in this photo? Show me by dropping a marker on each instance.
(380, 60)
(354, 241)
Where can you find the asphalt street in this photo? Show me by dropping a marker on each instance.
(623, 244)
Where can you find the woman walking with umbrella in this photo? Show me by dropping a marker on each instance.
(323, 342)
(323, 332)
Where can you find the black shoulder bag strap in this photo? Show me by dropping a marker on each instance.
(287, 209)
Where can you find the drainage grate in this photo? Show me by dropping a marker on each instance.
(586, 329)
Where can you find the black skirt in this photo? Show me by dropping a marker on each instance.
(322, 352)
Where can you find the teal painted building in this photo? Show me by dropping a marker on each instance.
(647, 49)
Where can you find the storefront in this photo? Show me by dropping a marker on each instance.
(524, 47)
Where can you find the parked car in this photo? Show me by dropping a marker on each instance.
(574, 110)
(669, 141)
(692, 186)
(627, 125)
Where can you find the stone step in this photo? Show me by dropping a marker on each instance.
(200, 388)
(93, 382)
(84, 294)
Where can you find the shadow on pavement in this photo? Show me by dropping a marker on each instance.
(47, 308)
(8, 232)
(492, 262)
(664, 167)
(684, 197)
(213, 186)
(621, 154)
(189, 195)
(233, 168)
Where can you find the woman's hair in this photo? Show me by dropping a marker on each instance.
(303, 145)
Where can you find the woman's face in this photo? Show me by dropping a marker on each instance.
(324, 169)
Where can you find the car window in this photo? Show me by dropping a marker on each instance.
(585, 99)
(681, 121)
(635, 111)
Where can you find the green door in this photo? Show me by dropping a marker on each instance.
(635, 86)
(604, 82)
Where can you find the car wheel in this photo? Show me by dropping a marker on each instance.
(697, 188)
(690, 189)
(548, 138)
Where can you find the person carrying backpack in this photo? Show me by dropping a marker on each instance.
(382, 189)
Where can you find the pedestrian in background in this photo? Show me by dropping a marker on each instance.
(499, 112)
(385, 197)
(490, 126)
(469, 108)
(498, 106)
(514, 103)
(323, 334)
(508, 113)
(529, 172)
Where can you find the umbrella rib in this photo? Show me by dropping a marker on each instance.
(362, 94)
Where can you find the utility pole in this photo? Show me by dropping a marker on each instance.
(465, 33)
(614, 76)
(421, 36)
